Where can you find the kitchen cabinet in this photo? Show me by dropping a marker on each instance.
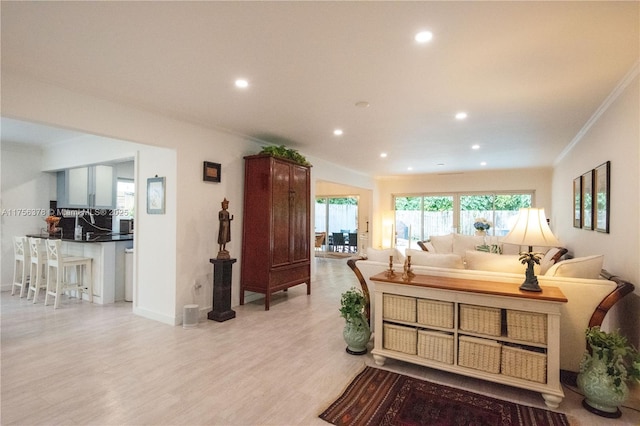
(276, 237)
(87, 187)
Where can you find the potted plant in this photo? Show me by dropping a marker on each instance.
(607, 366)
(356, 331)
(282, 151)
(482, 225)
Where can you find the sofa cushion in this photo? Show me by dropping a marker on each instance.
(463, 243)
(580, 267)
(439, 260)
(382, 255)
(442, 243)
(481, 261)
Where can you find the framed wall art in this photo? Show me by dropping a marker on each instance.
(601, 196)
(211, 172)
(155, 195)
(587, 200)
(577, 202)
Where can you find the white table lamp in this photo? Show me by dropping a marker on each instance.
(531, 229)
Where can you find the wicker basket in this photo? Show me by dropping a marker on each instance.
(400, 339)
(524, 364)
(527, 326)
(480, 319)
(400, 308)
(435, 346)
(481, 354)
(435, 313)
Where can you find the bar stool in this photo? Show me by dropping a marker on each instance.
(38, 270)
(21, 265)
(57, 281)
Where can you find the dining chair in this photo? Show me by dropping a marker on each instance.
(338, 241)
(320, 237)
(353, 242)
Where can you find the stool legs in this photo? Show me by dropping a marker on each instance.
(58, 274)
(20, 277)
(36, 280)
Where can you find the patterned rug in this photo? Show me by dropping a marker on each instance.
(379, 397)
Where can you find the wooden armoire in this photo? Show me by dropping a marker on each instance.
(276, 230)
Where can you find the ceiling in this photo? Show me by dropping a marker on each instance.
(528, 74)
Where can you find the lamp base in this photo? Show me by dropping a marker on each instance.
(531, 281)
(530, 286)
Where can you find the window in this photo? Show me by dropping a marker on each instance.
(125, 198)
(441, 214)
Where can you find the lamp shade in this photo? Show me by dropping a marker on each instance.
(531, 229)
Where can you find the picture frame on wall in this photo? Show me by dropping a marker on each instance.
(155, 195)
(601, 183)
(211, 172)
(587, 200)
(577, 202)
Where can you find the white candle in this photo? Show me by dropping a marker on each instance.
(392, 235)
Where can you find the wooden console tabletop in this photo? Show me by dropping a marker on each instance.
(474, 286)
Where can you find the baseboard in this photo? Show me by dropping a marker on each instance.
(157, 317)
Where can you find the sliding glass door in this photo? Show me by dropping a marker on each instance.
(337, 218)
(420, 216)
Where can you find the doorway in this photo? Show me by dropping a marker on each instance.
(336, 224)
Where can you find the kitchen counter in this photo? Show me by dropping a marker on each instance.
(107, 252)
(105, 238)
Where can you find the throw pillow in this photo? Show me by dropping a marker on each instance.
(439, 260)
(442, 243)
(492, 262)
(579, 267)
(382, 255)
(549, 259)
(428, 246)
(490, 248)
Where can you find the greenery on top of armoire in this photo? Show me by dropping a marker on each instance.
(282, 151)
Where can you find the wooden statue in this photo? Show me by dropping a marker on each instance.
(224, 233)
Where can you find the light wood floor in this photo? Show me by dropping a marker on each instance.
(89, 364)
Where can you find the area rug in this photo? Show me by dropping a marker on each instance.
(380, 397)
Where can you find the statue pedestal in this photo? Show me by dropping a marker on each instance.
(222, 270)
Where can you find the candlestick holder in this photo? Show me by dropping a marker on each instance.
(407, 274)
(390, 272)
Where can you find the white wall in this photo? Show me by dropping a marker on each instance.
(24, 186)
(613, 135)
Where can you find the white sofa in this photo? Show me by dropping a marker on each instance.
(589, 299)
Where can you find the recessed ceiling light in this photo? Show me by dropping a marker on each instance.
(424, 36)
(409, 168)
(362, 104)
(461, 115)
(383, 155)
(484, 163)
(476, 146)
(242, 83)
(338, 132)
(440, 164)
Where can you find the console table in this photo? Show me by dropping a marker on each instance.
(488, 330)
